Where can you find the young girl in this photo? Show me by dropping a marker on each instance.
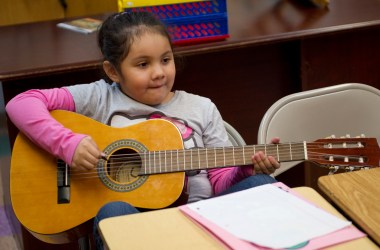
(139, 62)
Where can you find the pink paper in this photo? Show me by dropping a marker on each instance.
(343, 235)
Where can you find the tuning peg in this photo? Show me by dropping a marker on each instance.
(346, 136)
(349, 169)
(332, 136)
(333, 169)
(362, 135)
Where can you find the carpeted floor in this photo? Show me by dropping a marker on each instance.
(7, 241)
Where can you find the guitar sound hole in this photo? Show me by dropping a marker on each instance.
(124, 166)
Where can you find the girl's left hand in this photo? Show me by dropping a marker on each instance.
(263, 164)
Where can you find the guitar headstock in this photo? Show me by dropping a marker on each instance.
(345, 153)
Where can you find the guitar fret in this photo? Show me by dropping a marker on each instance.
(278, 156)
(244, 154)
(177, 160)
(184, 159)
(300, 152)
(261, 148)
(233, 155)
(271, 150)
(215, 157)
(305, 150)
(206, 158)
(224, 157)
(199, 160)
(238, 156)
(191, 158)
(217, 161)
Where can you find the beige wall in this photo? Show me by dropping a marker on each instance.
(26, 11)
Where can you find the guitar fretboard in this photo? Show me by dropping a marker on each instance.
(155, 162)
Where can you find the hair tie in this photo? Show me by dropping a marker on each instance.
(121, 14)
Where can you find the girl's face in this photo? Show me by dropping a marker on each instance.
(148, 72)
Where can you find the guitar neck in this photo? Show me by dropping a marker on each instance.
(155, 162)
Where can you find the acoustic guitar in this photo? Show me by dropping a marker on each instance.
(144, 166)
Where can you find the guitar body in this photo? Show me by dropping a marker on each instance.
(33, 175)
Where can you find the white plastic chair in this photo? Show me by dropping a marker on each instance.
(346, 109)
(233, 135)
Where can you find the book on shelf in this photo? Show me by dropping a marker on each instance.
(83, 25)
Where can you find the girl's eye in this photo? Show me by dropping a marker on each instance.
(166, 60)
(142, 65)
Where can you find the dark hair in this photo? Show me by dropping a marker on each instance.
(119, 30)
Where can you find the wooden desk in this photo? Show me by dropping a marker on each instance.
(276, 48)
(170, 229)
(358, 195)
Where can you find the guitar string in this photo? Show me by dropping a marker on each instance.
(230, 150)
(297, 149)
(92, 174)
(136, 157)
(227, 151)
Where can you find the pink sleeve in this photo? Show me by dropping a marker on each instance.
(29, 111)
(223, 178)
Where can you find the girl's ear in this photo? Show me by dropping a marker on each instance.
(111, 71)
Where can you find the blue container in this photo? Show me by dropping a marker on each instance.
(192, 22)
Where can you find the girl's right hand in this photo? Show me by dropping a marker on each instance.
(86, 155)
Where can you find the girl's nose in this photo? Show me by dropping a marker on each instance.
(158, 72)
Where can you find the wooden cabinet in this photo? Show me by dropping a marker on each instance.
(89, 7)
(26, 11)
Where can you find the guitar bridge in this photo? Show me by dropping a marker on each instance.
(63, 182)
